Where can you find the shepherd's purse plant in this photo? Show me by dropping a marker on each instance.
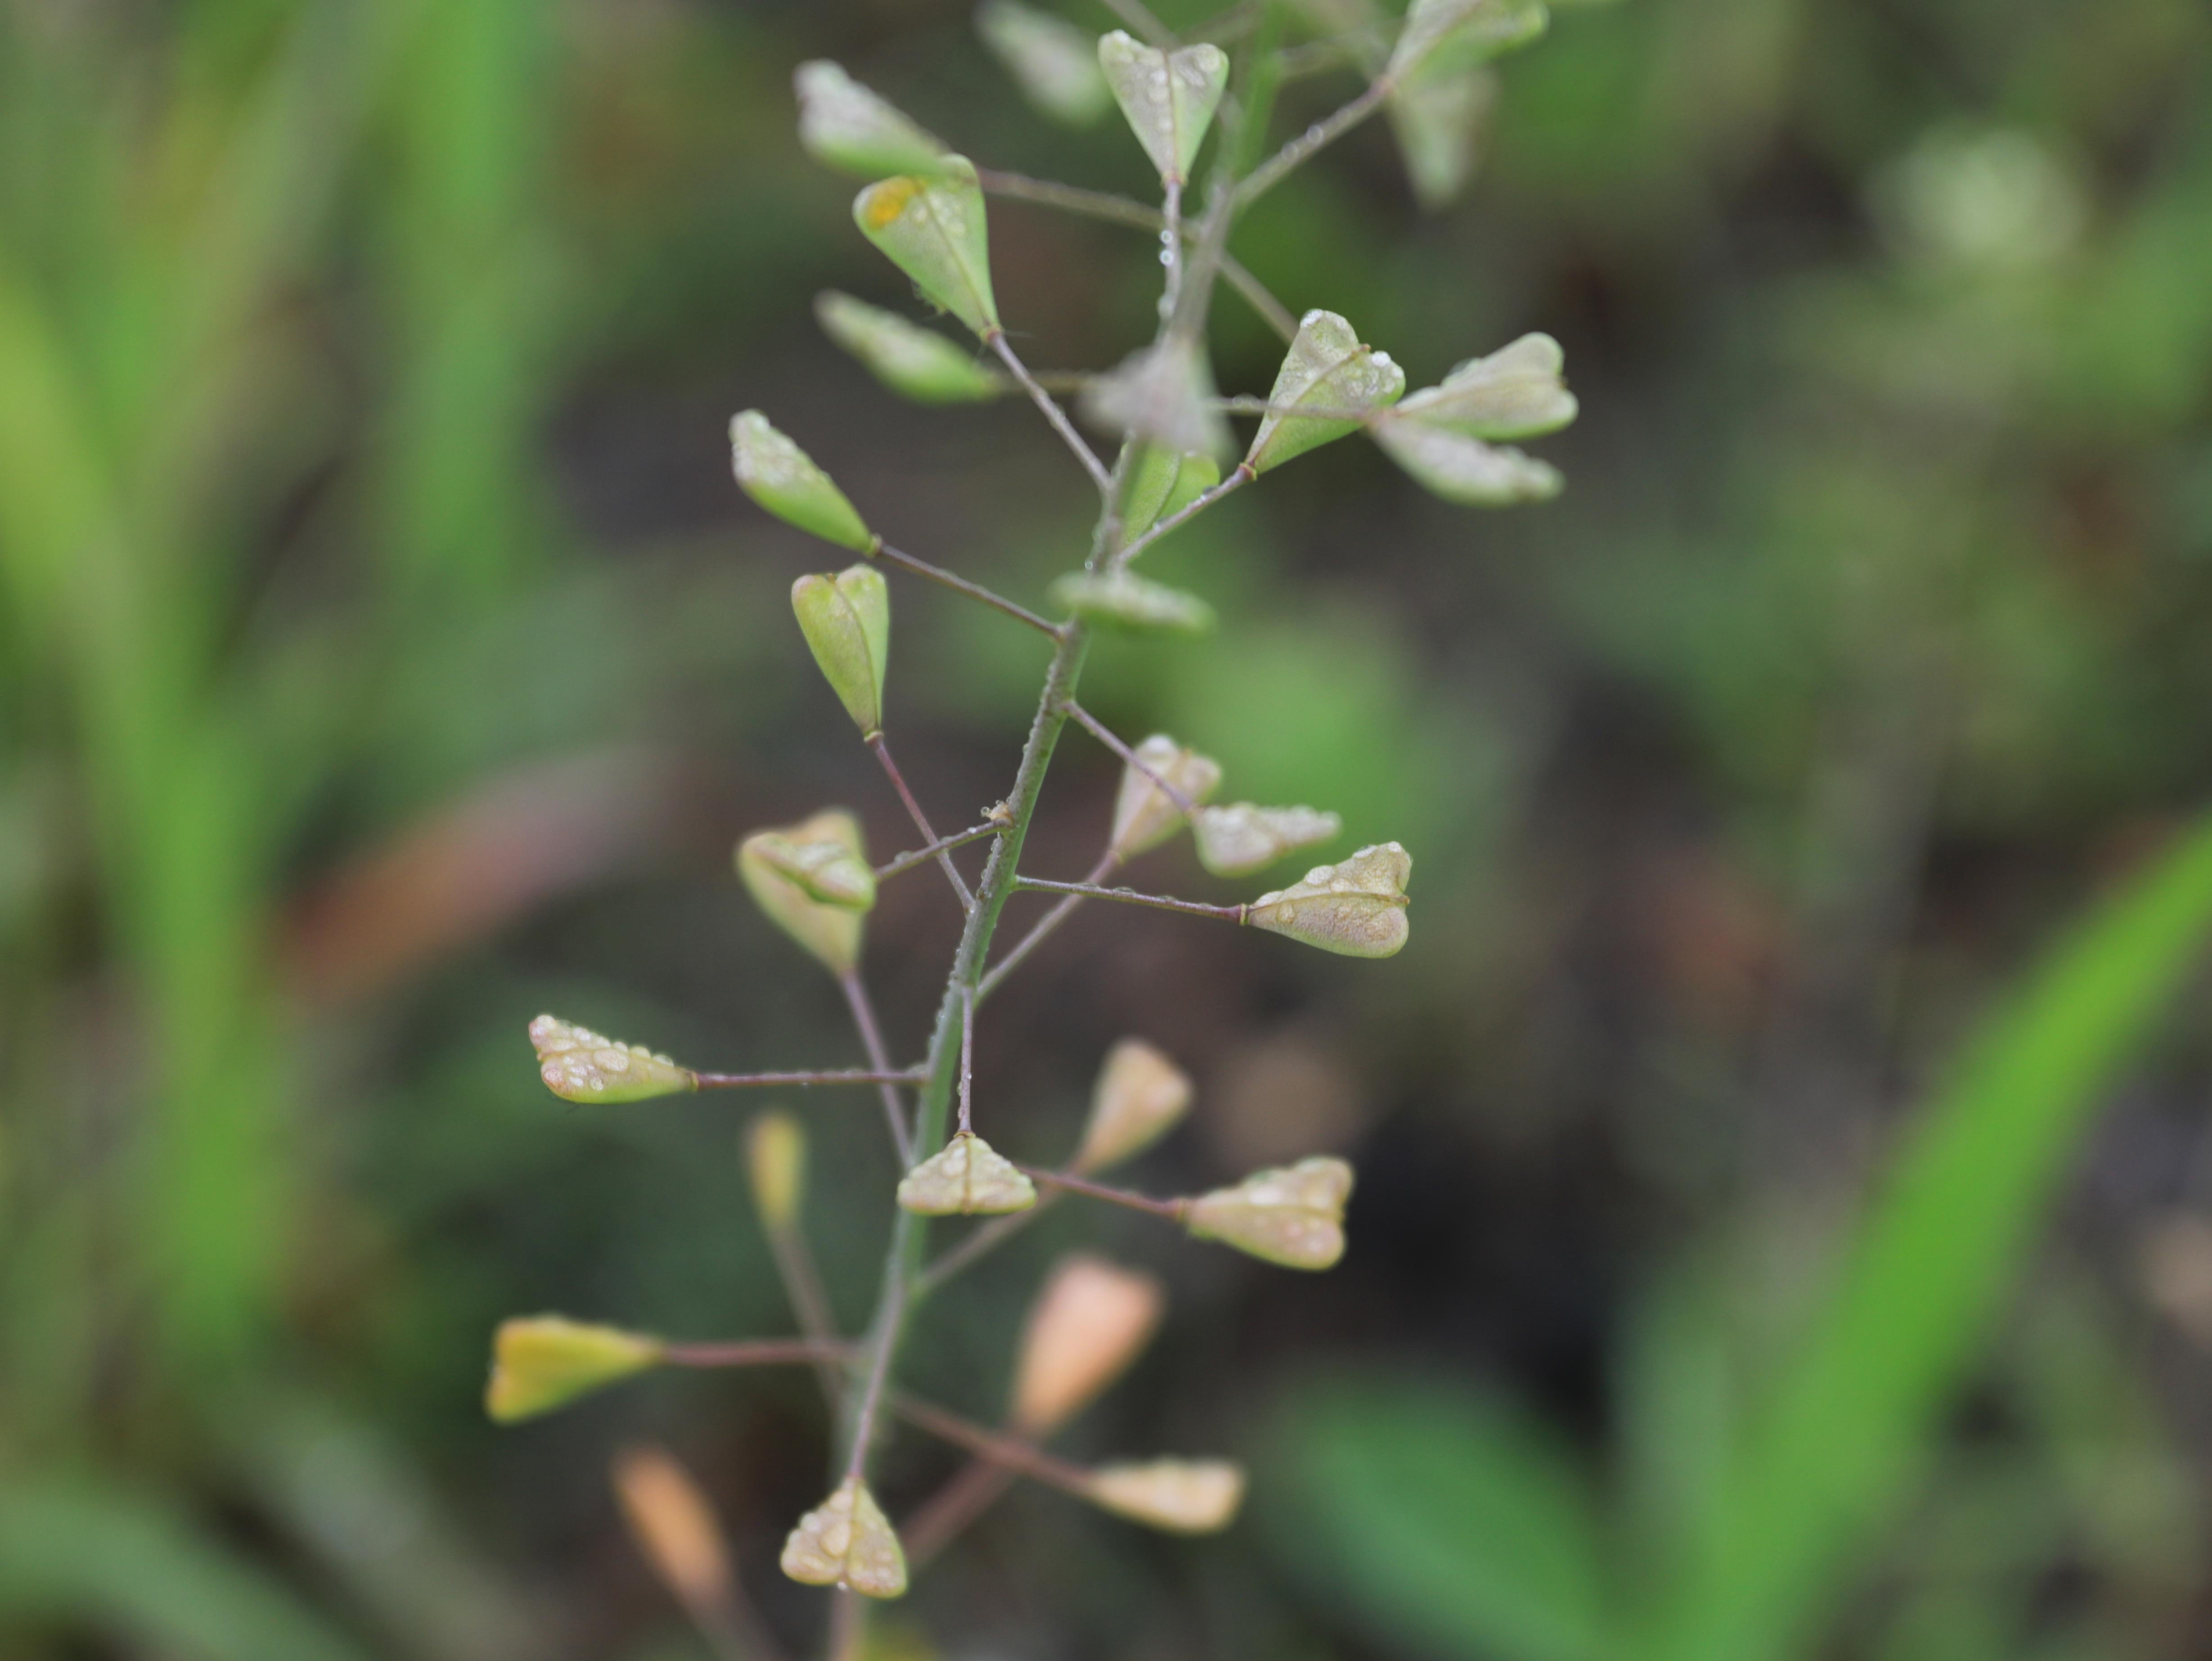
(924, 210)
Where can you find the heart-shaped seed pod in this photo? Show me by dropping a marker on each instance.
(1161, 484)
(1164, 395)
(932, 226)
(1293, 1216)
(831, 933)
(842, 124)
(1441, 35)
(1140, 1097)
(1145, 816)
(846, 620)
(783, 479)
(578, 1065)
(966, 1177)
(1052, 61)
(1239, 839)
(1465, 469)
(1355, 907)
(1184, 1496)
(1126, 601)
(540, 1362)
(847, 1541)
(1328, 370)
(1088, 1324)
(1517, 392)
(914, 362)
(1169, 97)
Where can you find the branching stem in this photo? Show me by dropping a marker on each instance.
(1106, 736)
(871, 1041)
(1235, 914)
(907, 861)
(1042, 927)
(755, 1353)
(1309, 143)
(1172, 1210)
(960, 585)
(1052, 413)
(920, 820)
(1001, 1450)
(804, 1080)
(1241, 476)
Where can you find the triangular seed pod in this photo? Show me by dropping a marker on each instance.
(966, 1177)
(1355, 907)
(783, 479)
(1465, 469)
(1145, 816)
(846, 620)
(1184, 1496)
(914, 362)
(1327, 368)
(1164, 393)
(831, 933)
(578, 1065)
(1140, 1097)
(1169, 97)
(1460, 34)
(932, 226)
(1516, 391)
(1088, 1324)
(842, 124)
(1161, 485)
(775, 1163)
(1293, 1216)
(540, 1362)
(1436, 117)
(1239, 839)
(847, 1541)
(825, 871)
(1122, 600)
(1051, 60)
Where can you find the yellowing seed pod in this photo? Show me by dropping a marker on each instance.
(776, 1160)
(1089, 1323)
(847, 1541)
(1145, 816)
(783, 479)
(540, 1362)
(1238, 840)
(1293, 1216)
(933, 228)
(846, 620)
(966, 1177)
(842, 124)
(831, 933)
(1327, 370)
(1355, 907)
(1169, 97)
(578, 1065)
(1140, 1096)
(1184, 1496)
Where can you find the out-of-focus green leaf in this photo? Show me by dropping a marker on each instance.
(1849, 1424)
(104, 1559)
(1054, 63)
(1442, 1517)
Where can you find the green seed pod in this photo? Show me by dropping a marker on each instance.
(966, 1177)
(1122, 600)
(932, 226)
(578, 1065)
(1515, 393)
(1169, 97)
(783, 479)
(1436, 117)
(846, 620)
(844, 126)
(1183, 1496)
(1357, 907)
(1052, 61)
(1140, 1097)
(1238, 840)
(540, 1362)
(1145, 816)
(1465, 469)
(1162, 393)
(1293, 1216)
(826, 871)
(1161, 484)
(914, 362)
(1327, 368)
(775, 1161)
(831, 933)
(847, 1541)
(1460, 34)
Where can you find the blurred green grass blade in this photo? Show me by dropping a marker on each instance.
(1442, 1517)
(1852, 1418)
(87, 1555)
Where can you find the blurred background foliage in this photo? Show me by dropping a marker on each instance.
(384, 656)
